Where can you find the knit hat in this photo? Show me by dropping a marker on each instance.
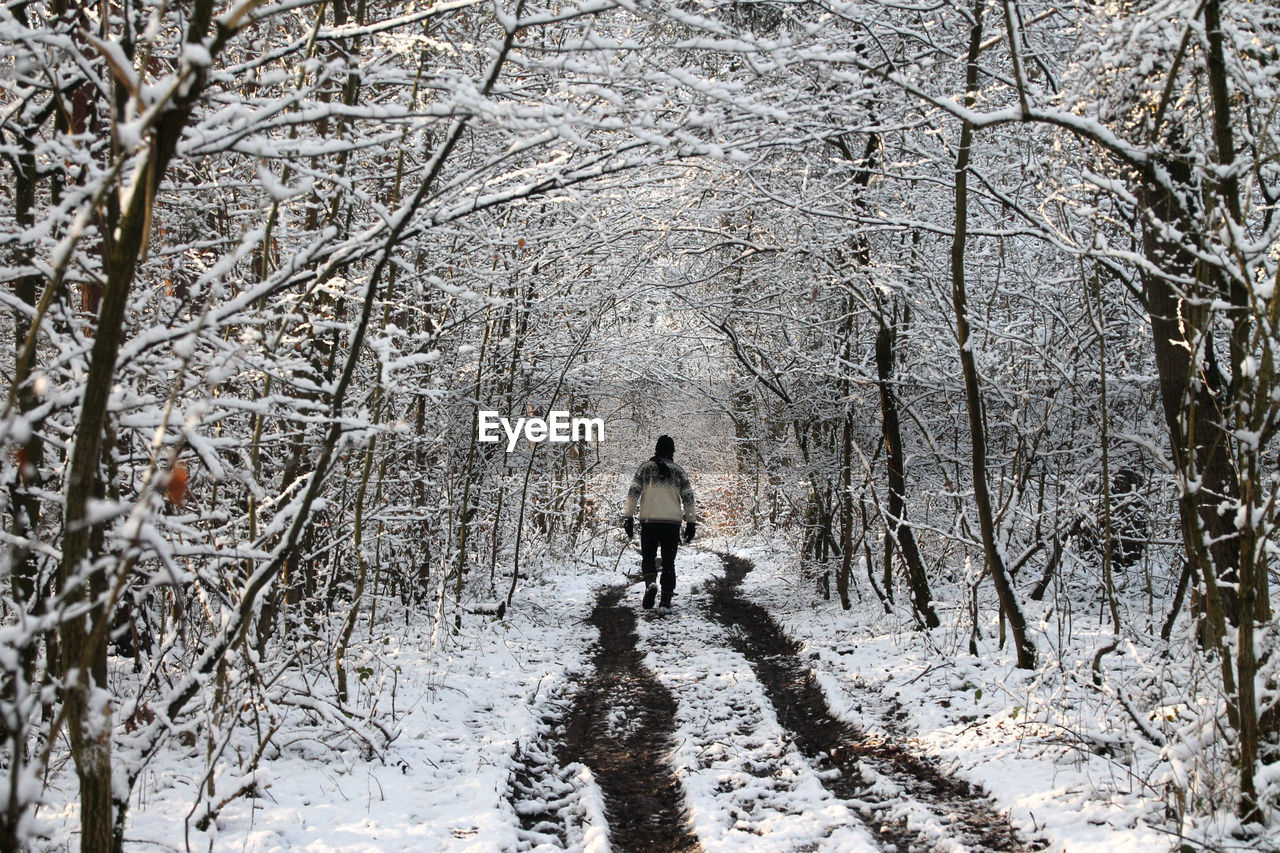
(666, 447)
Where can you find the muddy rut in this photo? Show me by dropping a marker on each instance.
(864, 763)
(619, 724)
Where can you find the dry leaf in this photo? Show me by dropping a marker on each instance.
(176, 489)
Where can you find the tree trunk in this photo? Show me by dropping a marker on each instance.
(25, 503)
(1189, 404)
(1249, 395)
(900, 532)
(1009, 605)
(84, 638)
(845, 571)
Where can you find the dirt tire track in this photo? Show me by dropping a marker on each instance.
(742, 773)
(831, 743)
(619, 726)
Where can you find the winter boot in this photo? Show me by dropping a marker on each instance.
(650, 593)
(666, 598)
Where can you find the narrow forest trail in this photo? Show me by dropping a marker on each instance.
(704, 730)
(618, 726)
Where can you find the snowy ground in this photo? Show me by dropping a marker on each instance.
(462, 713)
(746, 785)
(982, 718)
(472, 715)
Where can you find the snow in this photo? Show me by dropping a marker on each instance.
(466, 712)
(276, 189)
(196, 54)
(443, 782)
(581, 194)
(982, 719)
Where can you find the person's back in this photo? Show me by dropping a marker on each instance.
(661, 496)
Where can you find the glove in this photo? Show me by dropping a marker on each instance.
(629, 525)
(689, 529)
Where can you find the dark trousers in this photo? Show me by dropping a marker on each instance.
(655, 535)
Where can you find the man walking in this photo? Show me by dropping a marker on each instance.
(661, 495)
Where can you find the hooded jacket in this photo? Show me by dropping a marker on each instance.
(660, 491)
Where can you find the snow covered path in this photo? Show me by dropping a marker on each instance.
(703, 724)
(583, 723)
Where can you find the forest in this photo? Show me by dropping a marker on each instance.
(962, 317)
